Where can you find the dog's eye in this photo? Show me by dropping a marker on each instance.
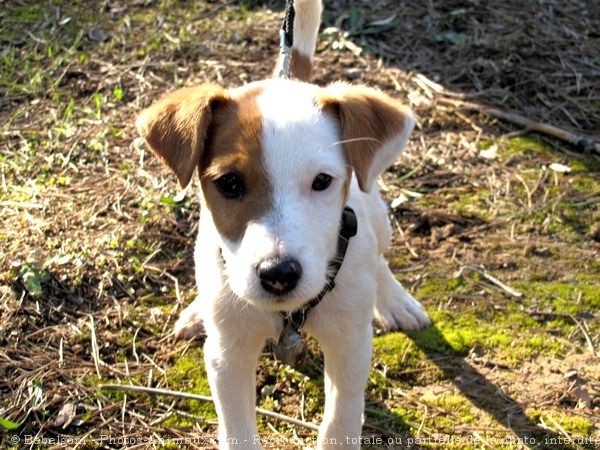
(231, 186)
(321, 182)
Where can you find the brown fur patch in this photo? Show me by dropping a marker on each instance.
(205, 127)
(300, 66)
(346, 188)
(367, 118)
(235, 145)
(175, 126)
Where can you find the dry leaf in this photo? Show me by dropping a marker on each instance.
(560, 168)
(489, 153)
(65, 416)
(399, 200)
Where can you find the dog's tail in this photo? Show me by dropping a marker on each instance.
(306, 27)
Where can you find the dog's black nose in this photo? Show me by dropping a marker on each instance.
(279, 275)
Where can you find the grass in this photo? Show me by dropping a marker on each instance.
(92, 226)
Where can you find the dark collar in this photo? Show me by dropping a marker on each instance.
(348, 228)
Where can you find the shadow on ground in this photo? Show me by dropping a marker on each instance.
(484, 394)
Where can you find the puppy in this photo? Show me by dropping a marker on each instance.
(278, 162)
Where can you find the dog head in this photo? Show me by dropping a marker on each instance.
(275, 160)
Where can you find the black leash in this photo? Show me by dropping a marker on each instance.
(286, 40)
(291, 349)
(288, 23)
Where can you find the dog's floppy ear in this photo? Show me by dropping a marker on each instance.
(175, 127)
(374, 128)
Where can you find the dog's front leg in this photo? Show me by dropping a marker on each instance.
(347, 364)
(233, 344)
(231, 375)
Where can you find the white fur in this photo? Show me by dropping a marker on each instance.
(306, 25)
(299, 142)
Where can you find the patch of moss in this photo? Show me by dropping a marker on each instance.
(396, 352)
(473, 204)
(524, 145)
(407, 415)
(188, 375)
(510, 335)
(455, 403)
(446, 337)
(395, 419)
(441, 288)
(585, 185)
(575, 296)
(585, 163)
(24, 14)
(572, 423)
(533, 146)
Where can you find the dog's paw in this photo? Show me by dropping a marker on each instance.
(189, 325)
(401, 312)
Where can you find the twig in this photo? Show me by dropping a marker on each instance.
(216, 10)
(205, 398)
(583, 143)
(491, 279)
(95, 351)
(489, 364)
(558, 426)
(401, 231)
(585, 334)
(542, 314)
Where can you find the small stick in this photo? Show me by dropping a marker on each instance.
(583, 143)
(585, 334)
(492, 280)
(205, 398)
(215, 10)
(95, 351)
(406, 243)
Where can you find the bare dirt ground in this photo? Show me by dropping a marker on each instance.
(497, 228)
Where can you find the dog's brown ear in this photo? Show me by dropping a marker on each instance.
(175, 127)
(374, 128)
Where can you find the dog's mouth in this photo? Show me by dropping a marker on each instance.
(285, 301)
(276, 296)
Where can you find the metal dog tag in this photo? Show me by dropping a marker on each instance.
(290, 349)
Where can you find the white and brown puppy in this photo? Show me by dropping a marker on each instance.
(278, 160)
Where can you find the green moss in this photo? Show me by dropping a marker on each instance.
(585, 163)
(585, 185)
(574, 296)
(188, 372)
(23, 15)
(528, 146)
(451, 402)
(474, 205)
(574, 424)
(441, 288)
(511, 335)
(396, 352)
(407, 415)
(524, 145)
(188, 375)
(395, 419)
